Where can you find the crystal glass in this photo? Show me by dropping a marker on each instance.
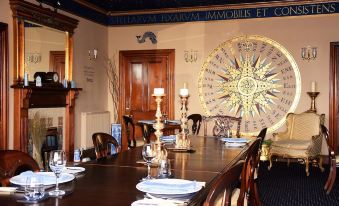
(34, 188)
(149, 152)
(57, 162)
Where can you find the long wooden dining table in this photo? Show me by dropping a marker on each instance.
(112, 181)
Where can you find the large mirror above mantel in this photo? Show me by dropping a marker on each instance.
(43, 43)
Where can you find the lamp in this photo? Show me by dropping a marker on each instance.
(92, 54)
(309, 53)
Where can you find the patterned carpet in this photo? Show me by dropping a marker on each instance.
(289, 186)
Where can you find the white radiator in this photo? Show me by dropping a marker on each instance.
(92, 122)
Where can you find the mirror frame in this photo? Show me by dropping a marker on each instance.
(24, 96)
(25, 11)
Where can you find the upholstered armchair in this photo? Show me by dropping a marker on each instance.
(302, 139)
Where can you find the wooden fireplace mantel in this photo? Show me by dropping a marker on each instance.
(26, 97)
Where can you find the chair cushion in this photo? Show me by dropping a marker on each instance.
(292, 144)
(288, 152)
(305, 125)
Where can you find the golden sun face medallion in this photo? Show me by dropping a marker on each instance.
(253, 77)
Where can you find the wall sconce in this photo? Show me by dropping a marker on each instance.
(33, 58)
(309, 53)
(191, 56)
(92, 54)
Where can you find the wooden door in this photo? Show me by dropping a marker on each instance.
(140, 73)
(3, 86)
(334, 103)
(57, 63)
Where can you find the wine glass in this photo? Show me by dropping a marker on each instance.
(149, 152)
(57, 162)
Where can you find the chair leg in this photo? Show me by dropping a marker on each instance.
(331, 177)
(307, 166)
(320, 164)
(270, 166)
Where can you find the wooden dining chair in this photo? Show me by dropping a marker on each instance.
(223, 187)
(223, 124)
(129, 126)
(332, 161)
(196, 119)
(248, 188)
(102, 142)
(13, 162)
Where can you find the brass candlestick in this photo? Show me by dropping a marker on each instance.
(158, 125)
(313, 95)
(183, 141)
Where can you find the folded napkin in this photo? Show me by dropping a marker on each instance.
(235, 144)
(153, 202)
(7, 190)
(170, 186)
(48, 177)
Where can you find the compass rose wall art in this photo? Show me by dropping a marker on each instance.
(253, 77)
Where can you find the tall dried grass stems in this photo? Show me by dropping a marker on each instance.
(37, 129)
(113, 82)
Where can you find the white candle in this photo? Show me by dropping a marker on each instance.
(313, 87)
(185, 85)
(183, 92)
(158, 91)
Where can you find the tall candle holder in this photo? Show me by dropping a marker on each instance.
(313, 96)
(183, 141)
(158, 126)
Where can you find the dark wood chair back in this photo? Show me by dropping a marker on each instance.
(51, 143)
(101, 142)
(223, 124)
(197, 119)
(13, 162)
(129, 126)
(248, 188)
(224, 185)
(332, 161)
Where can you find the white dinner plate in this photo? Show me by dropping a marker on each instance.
(235, 140)
(73, 170)
(174, 121)
(169, 186)
(235, 144)
(48, 178)
(152, 202)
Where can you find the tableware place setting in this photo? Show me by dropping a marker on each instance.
(33, 185)
(163, 189)
(235, 142)
(167, 191)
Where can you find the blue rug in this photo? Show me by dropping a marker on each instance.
(289, 186)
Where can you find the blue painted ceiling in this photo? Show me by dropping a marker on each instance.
(141, 5)
(101, 11)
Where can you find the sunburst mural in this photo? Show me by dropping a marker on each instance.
(253, 77)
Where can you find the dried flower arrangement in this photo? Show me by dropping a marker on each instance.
(37, 129)
(113, 83)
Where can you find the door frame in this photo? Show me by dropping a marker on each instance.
(333, 101)
(170, 54)
(4, 65)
